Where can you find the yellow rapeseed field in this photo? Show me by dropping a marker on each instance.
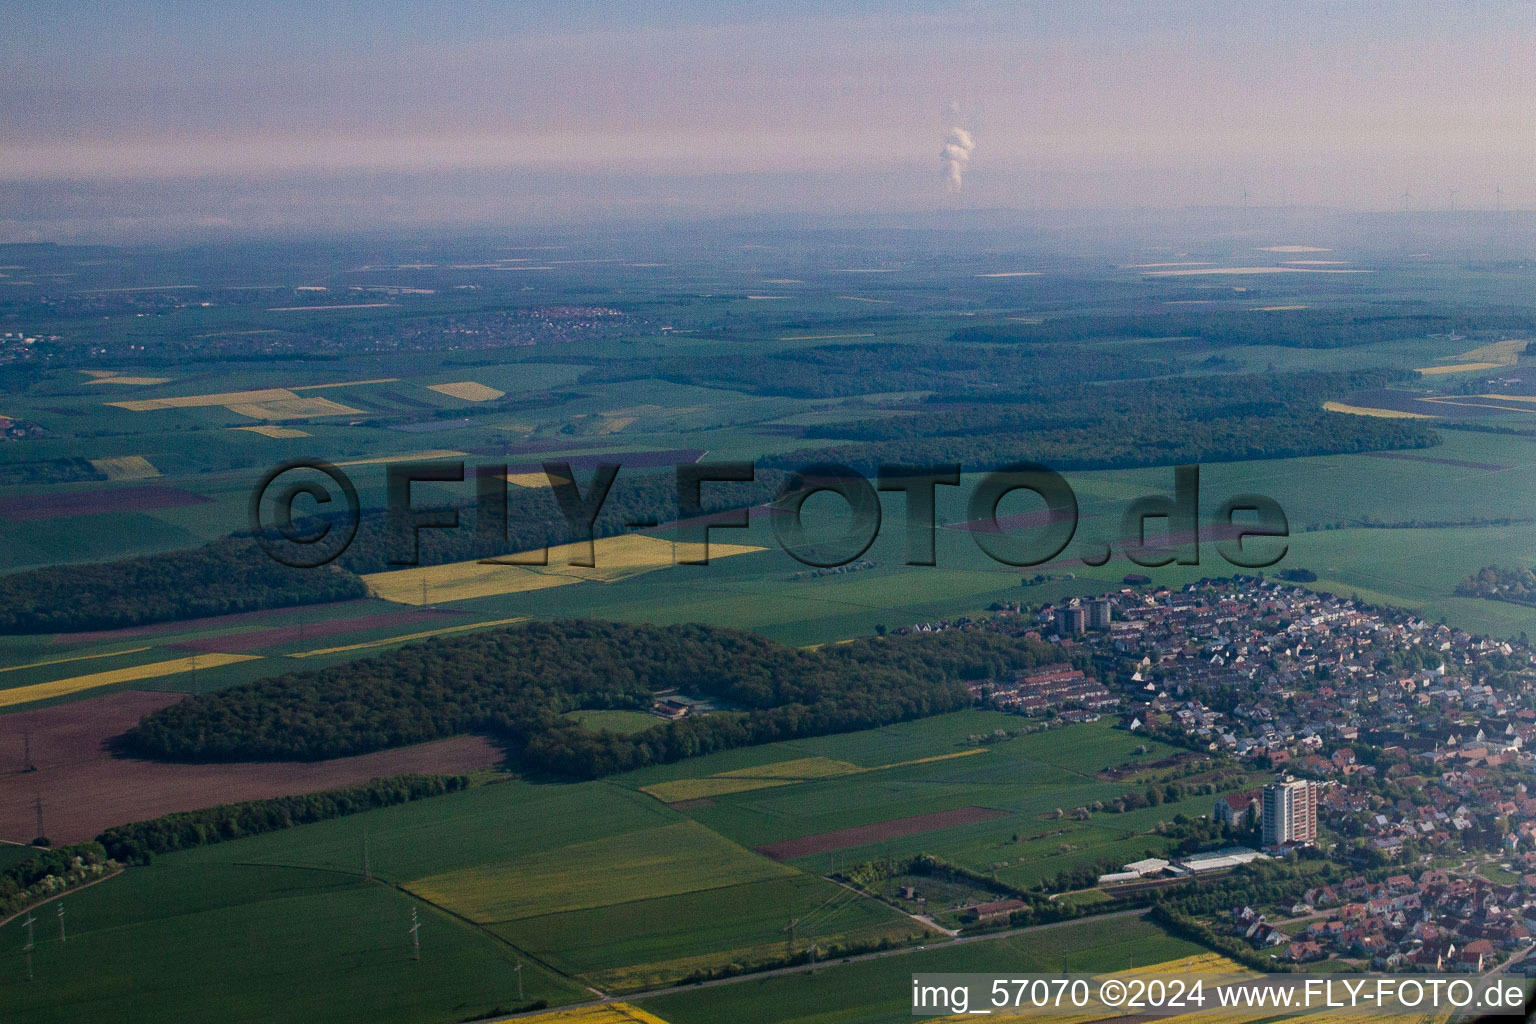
(1205, 963)
(1083, 1017)
(113, 377)
(799, 768)
(260, 404)
(294, 408)
(679, 790)
(1457, 368)
(273, 430)
(154, 670)
(434, 453)
(606, 1013)
(615, 558)
(126, 467)
(1484, 357)
(1386, 414)
(781, 773)
(201, 401)
(467, 390)
(1220, 1015)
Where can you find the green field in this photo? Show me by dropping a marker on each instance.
(665, 861)
(615, 721)
(603, 883)
(595, 882)
(880, 991)
(172, 941)
(1028, 778)
(1330, 502)
(651, 942)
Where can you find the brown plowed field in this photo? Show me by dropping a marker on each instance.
(85, 789)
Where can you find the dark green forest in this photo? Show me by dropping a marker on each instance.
(1228, 417)
(233, 574)
(229, 575)
(517, 683)
(69, 470)
(1289, 328)
(835, 371)
(1516, 585)
(47, 872)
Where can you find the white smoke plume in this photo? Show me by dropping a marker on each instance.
(955, 156)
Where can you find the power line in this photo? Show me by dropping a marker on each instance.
(27, 949)
(60, 906)
(789, 941)
(415, 936)
(825, 912)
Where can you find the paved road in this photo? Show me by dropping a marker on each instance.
(827, 965)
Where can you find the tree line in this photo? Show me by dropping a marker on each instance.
(518, 683)
(139, 842)
(229, 575)
(47, 872)
(1516, 585)
(1314, 327)
(838, 371)
(1122, 425)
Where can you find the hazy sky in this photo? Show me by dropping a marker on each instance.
(153, 117)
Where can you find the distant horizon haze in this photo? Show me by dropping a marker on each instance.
(155, 120)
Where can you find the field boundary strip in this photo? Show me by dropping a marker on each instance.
(747, 780)
(410, 636)
(875, 832)
(78, 657)
(96, 680)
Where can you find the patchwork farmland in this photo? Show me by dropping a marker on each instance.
(726, 861)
